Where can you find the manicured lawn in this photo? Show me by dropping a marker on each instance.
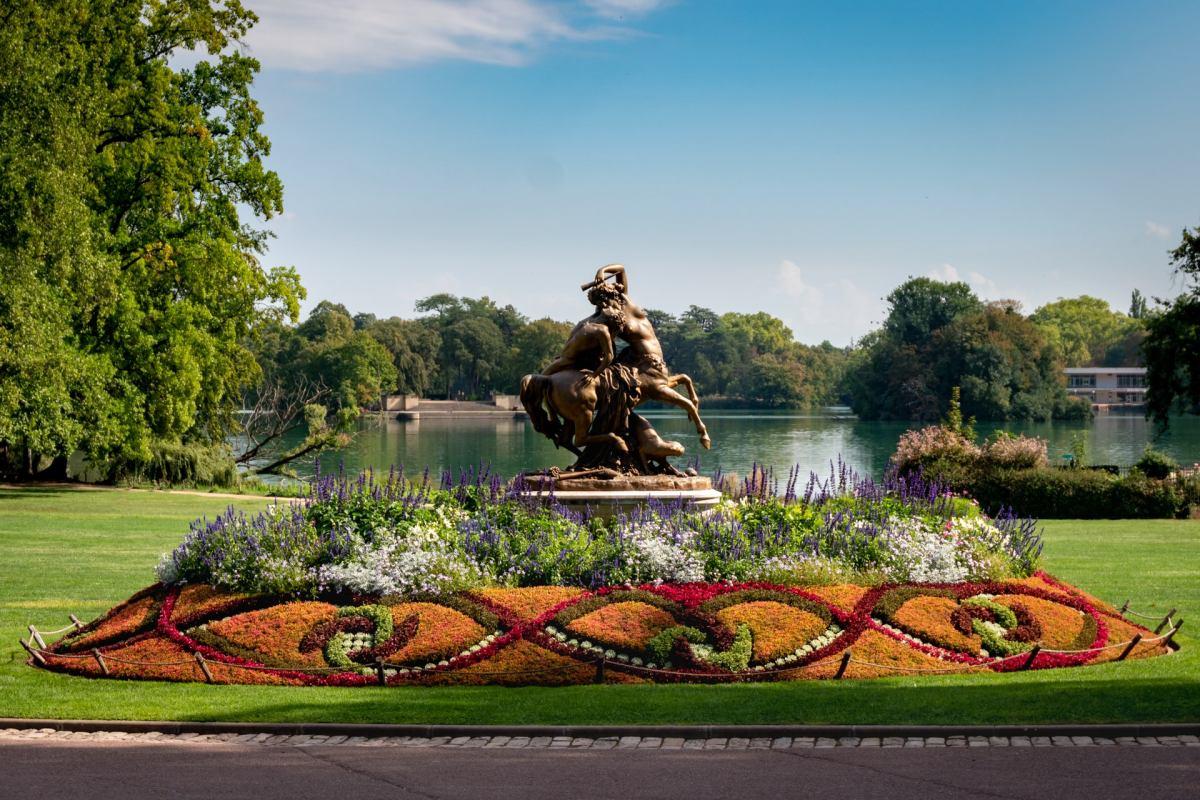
(64, 551)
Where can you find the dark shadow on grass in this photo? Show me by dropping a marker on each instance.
(851, 702)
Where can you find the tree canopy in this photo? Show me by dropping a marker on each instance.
(1088, 332)
(129, 282)
(1172, 345)
(939, 335)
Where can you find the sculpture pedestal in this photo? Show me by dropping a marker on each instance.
(607, 497)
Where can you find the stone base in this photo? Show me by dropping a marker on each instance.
(619, 483)
(607, 497)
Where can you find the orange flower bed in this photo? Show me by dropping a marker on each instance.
(628, 625)
(776, 629)
(842, 595)
(522, 664)
(1121, 632)
(528, 604)
(1040, 581)
(199, 600)
(120, 623)
(928, 618)
(441, 632)
(1061, 625)
(154, 658)
(883, 656)
(274, 633)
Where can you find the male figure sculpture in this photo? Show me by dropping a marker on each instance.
(584, 399)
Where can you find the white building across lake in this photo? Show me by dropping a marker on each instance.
(1123, 387)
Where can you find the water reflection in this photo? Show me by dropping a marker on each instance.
(741, 439)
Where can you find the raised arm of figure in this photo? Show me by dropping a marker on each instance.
(602, 275)
(617, 270)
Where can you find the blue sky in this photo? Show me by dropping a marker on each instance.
(798, 158)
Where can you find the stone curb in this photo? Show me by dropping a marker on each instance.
(1109, 731)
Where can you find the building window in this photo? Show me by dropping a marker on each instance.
(1082, 381)
(1131, 381)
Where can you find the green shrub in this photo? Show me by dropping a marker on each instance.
(1156, 464)
(1015, 451)
(188, 464)
(1068, 493)
(1074, 408)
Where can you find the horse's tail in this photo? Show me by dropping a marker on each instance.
(534, 391)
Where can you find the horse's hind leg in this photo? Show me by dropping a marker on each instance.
(583, 438)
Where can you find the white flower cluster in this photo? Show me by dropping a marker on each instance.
(981, 532)
(663, 556)
(917, 551)
(419, 561)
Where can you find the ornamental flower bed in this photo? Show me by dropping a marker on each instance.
(697, 632)
(400, 581)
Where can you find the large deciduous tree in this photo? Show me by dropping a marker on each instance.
(1172, 346)
(938, 336)
(1088, 332)
(129, 282)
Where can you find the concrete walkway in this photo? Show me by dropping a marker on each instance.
(125, 766)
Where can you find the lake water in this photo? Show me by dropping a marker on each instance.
(740, 439)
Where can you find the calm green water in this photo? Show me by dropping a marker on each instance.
(740, 439)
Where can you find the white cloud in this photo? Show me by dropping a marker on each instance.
(357, 35)
(983, 285)
(979, 283)
(791, 281)
(826, 306)
(616, 9)
(946, 272)
(1156, 230)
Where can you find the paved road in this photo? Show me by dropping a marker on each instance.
(134, 767)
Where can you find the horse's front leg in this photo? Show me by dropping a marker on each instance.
(661, 391)
(686, 380)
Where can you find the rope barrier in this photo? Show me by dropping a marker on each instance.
(1133, 613)
(568, 667)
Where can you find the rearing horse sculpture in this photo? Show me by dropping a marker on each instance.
(584, 400)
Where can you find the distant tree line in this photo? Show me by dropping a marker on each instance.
(939, 335)
(462, 347)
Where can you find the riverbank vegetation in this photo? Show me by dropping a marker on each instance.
(1007, 471)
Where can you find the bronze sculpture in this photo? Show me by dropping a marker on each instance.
(584, 400)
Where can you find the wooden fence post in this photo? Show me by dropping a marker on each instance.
(380, 673)
(1125, 608)
(599, 670)
(36, 655)
(1129, 647)
(100, 660)
(37, 637)
(841, 670)
(1171, 635)
(204, 668)
(1033, 654)
(1165, 622)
